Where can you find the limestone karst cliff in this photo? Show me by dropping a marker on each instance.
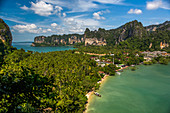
(5, 33)
(132, 32)
(56, 40)
(95, 41)
(163, 26)
(114, 36)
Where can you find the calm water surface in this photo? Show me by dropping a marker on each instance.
(146, 90)
(27, 46)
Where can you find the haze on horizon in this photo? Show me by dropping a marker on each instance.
(28, 19)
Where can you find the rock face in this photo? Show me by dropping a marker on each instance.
(39, 39)
(164, 45)
(55, 40)
(163, 26)
(131, 29)
(95, 41)
(74, 40)
(114, 36)
(5, 33)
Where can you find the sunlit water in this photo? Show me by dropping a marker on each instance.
(27, 47)
(146, 90)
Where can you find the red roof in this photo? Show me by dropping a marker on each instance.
(101, 72)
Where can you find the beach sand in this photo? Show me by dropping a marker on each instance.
(89, 94)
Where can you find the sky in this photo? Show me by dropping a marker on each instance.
(30, 18)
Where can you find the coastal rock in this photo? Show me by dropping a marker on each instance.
(5, 33)
(95, 41)
(55, 40)
(33, 45)
(39, 39)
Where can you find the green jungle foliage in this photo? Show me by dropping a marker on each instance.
(143, 43)
(59, 80)
(4, 50)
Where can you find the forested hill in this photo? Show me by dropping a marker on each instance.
(134, 35)
(5, 33)
(133, 31)
(122, 33)
(5, 40)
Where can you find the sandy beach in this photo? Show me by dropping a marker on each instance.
(89, 94)
(121, 68)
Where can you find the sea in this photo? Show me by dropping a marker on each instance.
(146, 90)
(27, 46)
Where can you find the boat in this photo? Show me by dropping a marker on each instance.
(97, 94)
(118, 73)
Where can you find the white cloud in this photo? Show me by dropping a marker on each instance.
(152, 5)
(49, 30)
(13, 20)
(44, 31)
(74, 24)
(58, 10)
(83, 5)
(43, 9)
(134, 11)
(110, 1)
(32, 28)
(78, 24)
(24, 7)
(97, 15)
(54, 25)
(64, 15)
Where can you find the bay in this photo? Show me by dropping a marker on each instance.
(27, 46)
(146, 90)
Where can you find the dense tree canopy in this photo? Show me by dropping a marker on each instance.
(59, 80)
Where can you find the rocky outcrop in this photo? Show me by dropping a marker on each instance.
(163, 26)
(163, 45)
(5, 33)
(114, 36)
(74, 40)
(39, 39)
(131, 29)
(95, 41)
(55, 40)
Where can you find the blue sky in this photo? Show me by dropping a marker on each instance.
(30, 18)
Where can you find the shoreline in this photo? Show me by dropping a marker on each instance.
(95, 108)
(89, 94)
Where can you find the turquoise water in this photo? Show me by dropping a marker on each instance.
(146, 90)
(27, 47)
